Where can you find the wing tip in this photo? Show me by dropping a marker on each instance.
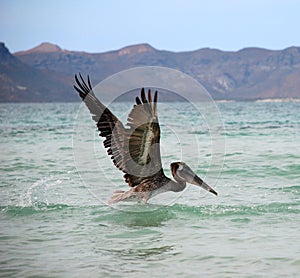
(152, 102)
(143, 96)
(81, 86)
(155, 102)
(138, 101)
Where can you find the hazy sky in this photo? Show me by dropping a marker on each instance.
(177, 25)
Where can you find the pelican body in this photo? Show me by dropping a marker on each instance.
(135, 149)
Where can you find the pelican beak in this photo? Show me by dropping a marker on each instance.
(187, 174)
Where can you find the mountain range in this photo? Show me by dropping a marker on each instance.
(45, 73)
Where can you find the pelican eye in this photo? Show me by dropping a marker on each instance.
(180, 167)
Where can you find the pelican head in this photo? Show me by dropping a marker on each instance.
(183, 173)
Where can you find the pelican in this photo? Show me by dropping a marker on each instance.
(135, 149)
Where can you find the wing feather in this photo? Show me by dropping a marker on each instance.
(107, 123)
(144, 137)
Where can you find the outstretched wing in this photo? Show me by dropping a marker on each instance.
(107, 123)
(134, 150)
(143, 140)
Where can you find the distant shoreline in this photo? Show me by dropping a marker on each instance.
(268, 100)
(278, 100)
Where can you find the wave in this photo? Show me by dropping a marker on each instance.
(155, 211)
(224, 210)
(18, 210)
(278, 100)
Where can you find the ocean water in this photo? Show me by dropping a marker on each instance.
(55, 222)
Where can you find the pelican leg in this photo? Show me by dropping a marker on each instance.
(146, 197)
(120, 195)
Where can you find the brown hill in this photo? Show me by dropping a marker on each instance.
(44, 47)
(19, 82)
(251, 73)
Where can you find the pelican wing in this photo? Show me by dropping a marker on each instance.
(143, 138)
(108, 124)
(134, 150)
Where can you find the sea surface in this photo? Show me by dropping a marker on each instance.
(55, 221)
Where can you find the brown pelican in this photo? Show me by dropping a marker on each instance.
(135, 149)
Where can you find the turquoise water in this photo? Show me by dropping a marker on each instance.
(55, 223)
